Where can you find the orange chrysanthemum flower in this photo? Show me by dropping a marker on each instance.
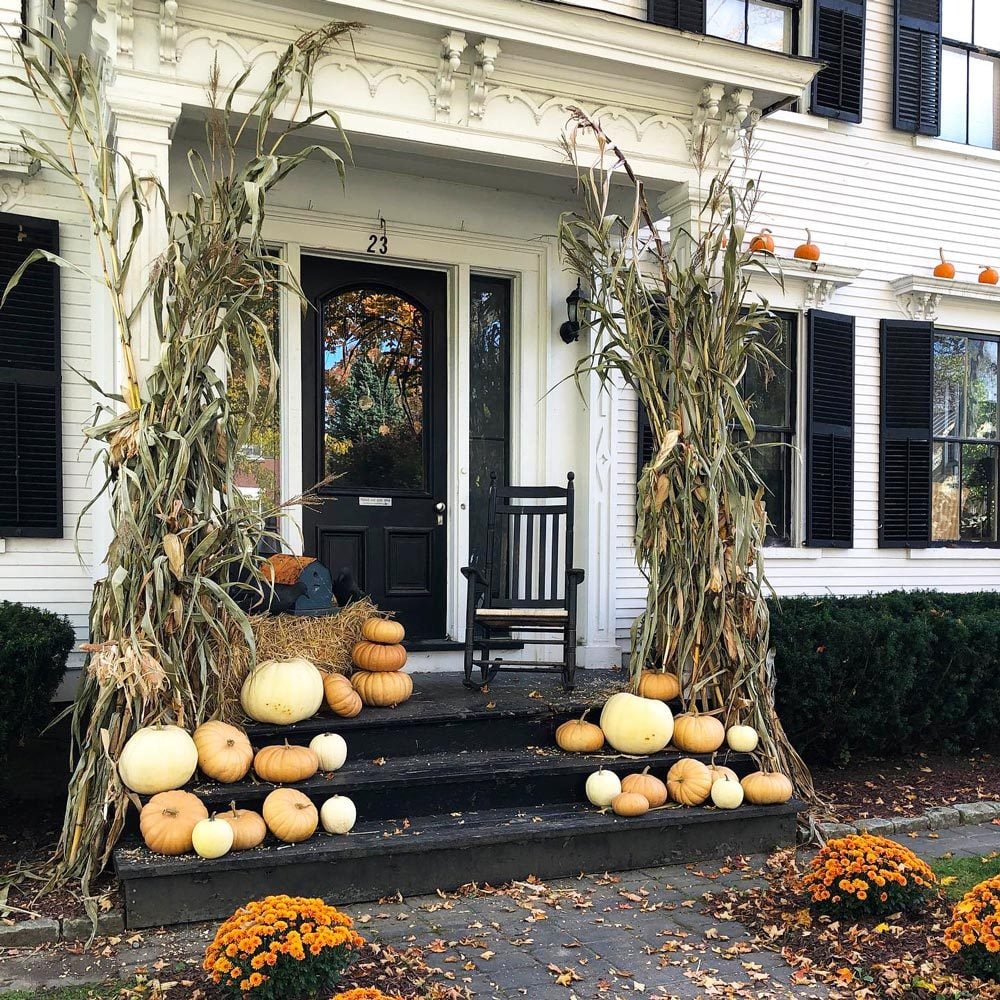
(974, 931)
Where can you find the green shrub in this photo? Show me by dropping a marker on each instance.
(887, 673)
(34, 645)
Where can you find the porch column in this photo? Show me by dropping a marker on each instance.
(682, 204)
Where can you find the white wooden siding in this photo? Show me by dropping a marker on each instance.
(874, 200)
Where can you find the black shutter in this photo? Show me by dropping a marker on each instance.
(687, 15)
(839, 42)
(644, 441)
(905, 460)
(917, 93)
(830, 431)
(30, 438)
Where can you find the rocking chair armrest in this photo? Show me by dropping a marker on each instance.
(474, 575)
(574, 577)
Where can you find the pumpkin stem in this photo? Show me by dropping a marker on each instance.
(645, 770)
(586, 712)
(170, 811)
(941, 255)
(809, 237)
(765, 230)
(232, 807)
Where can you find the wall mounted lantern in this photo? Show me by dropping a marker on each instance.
(570, 330)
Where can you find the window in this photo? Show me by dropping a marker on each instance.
(766, 25)
(770, 394)
(965, 439)
(489, 396)
(970, 72)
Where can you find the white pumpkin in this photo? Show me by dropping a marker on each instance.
(331, 750)
(157, 759)
(726, 793)
(742, 739)
(636, 725)
(338, 814)
(602, 786)
(282, 691)
(212, 838)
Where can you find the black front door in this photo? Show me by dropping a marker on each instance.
(374, 376)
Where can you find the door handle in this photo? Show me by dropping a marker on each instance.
(440, 507)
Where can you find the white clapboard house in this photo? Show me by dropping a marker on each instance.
(447, 226)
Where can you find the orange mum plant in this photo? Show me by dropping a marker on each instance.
(866, 875)
(280, 947)
(974, 931)
(363, 993)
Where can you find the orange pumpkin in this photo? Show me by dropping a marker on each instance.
(720, 771)
(763, 242)
(382, 630)
(989, 276)
(659, 684)
(807, 250)
(767, 788)
(249, 828)
(689, 782)
(697, 733)
(224, 752)
(341, 696)
(285, 764)
(649, 787)
(629, 804)
(945, 269)
(373, 656)
(168, 819)
(290, 816)
(383, 690)
(579, 736)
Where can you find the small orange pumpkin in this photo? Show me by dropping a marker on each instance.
(168, 819)
(649, 787)
(341, 696)
(659, 684)
(945, 269)
(580, 736)
(767, 788)
(689, 782)
(721, 771)
(374, 657)
(290, 816)
(382, 630)
(249, 828)
(285, 764)
(224, 752)
(989, 276)
(629, 804)
(384, 689)
(807, 250)
(696, 733)
(763, 242)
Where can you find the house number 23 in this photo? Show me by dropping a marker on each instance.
(378, 243)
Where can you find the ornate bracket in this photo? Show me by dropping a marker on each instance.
(920, 298)
(487, 53)
(819, 281)
(718, 119)
(16, 162)
(168, 31)
(452, 46)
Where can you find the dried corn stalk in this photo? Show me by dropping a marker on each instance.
(678, 326)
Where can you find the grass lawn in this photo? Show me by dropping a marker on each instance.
(109, 991)
(959, 875)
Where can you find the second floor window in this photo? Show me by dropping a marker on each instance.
(766, 25)
(970, 72)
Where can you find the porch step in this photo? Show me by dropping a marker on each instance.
(440, 852)
(446, 781)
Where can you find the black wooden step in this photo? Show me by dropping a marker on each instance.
(440, 852)
(443, 714)
(465, 780)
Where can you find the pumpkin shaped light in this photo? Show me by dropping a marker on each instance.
(373, 656)
(767, 788)
(696, 733)
(157, 759)
(341, 697)
(602, 787)
(808, 250)
(383, 690)
(763, 242)
(382, 630)
(224, 752)
(249, 828)
(945, 269)
(290, 816)
(168, 819)
(282, 691)
(212, 837)
(989, 276)
(659, 684)
(649, 787)
(285, 764)
(629, 804)
(635, 725)
(689, 782)
(579, 736)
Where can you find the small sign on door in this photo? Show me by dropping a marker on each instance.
(374, 501)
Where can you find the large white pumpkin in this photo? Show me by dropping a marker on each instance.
(338, 814)
(282, 692)
(211, 838)
(157, 759)
(331, 749)
(636, 725)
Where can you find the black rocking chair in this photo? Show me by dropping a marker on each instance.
(527, 584)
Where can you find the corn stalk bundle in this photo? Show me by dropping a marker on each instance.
(676, 323)
(167, 445)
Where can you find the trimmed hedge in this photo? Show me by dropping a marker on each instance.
(887, 673)
(34, 646)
